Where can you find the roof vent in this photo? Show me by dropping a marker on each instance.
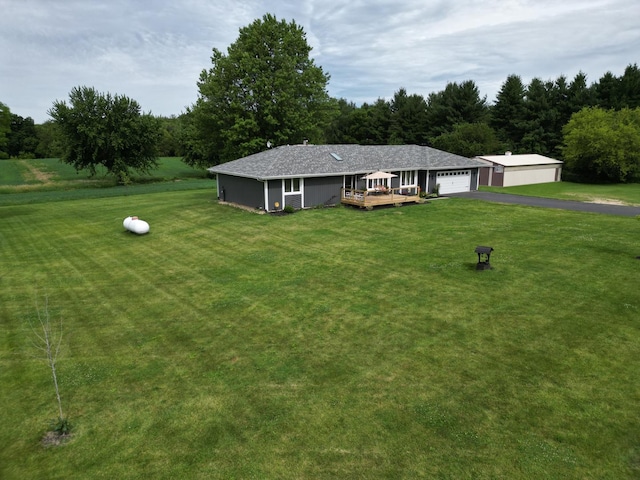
(336, 156)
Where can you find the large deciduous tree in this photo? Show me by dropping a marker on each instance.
(101, 129)
(603, 145)
(264, 89)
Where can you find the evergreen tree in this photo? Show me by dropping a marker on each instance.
(455, 104)
(580, 95)
(340, 130)
(408, 119)
(470, 140)
(541, 118)
(606, 92)
(629, 87)
(508, 115)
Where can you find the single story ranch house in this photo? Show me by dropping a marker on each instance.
(510, 170)
(306, 176)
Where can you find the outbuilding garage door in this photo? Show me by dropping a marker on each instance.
(454, 182)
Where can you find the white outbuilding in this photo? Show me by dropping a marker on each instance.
(510, 170)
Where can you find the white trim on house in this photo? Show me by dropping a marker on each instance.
(353, 181)
(300, 190)
(266, 195)
(408, 178)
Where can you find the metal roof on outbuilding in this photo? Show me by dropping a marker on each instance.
(519, 160)
(330, 160)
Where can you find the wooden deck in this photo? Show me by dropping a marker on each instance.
(370, 199)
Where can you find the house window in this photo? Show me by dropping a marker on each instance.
(292, 185)
(408, 179)
(350, 181)
(376, 183)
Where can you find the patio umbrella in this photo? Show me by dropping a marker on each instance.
(378, 175)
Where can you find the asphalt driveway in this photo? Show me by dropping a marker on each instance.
(551, 203)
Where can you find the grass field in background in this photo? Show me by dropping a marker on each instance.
(50, 174)
(331, 343)
(48, 180)
(627, 194)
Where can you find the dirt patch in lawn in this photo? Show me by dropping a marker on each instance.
(601, 200)
(606, 201)
(36, 174)
(242, 207)
(53, 439)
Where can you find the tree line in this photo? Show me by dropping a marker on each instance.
(524, 118)
(21, 137)
(265, 90)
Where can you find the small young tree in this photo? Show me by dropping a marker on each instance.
(48, 340)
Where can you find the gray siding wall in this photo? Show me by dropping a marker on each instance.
(474, 179)
(275, 194)
(294, 200)
(322, 191)
(422, 180)
(244, 191)
(432, 181)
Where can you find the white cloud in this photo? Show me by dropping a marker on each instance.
(154, 51)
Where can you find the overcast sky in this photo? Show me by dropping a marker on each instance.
(154, 50)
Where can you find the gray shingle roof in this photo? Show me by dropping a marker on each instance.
(317, 161)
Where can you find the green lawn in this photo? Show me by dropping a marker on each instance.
(49, 174)
(14, 173)
(332, 343)
(628, 194)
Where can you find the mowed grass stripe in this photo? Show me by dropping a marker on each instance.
(326, 343)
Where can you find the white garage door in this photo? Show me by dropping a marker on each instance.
(454, 181)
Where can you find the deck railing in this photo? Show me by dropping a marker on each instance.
(380, 196)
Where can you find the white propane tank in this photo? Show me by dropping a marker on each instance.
(135, 225)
